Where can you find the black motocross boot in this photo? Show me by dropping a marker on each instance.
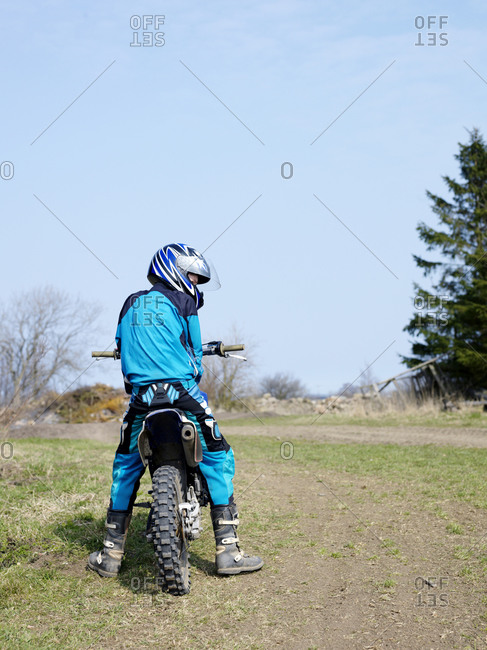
(107, 562)
(229, 558)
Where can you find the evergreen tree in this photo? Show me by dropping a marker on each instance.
(451, 318)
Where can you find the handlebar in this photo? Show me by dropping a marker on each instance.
(212, 348)
(114, 354)
(218, 348)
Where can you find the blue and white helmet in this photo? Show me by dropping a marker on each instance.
(172, 263)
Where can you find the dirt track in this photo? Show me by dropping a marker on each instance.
(109, 432)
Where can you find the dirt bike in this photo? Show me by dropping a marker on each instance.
(170, 446)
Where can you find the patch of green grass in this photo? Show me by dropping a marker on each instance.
(439, 512)
(428, 470)
(391, 547)
(462, 553)
(454, 529)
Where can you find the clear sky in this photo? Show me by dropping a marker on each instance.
(175, 142)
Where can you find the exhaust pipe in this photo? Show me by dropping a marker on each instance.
(193, 450)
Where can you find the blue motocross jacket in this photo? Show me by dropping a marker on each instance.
(159, 338)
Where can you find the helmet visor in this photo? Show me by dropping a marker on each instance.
(203, 268)
(213, 284)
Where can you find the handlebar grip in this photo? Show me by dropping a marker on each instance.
(113, 354)
(232, 348)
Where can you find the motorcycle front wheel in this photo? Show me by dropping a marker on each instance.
(170, 544)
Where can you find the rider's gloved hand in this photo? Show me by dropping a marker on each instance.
(216, 347)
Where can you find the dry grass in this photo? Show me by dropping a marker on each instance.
(395, 403)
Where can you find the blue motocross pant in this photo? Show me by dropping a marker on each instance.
(217, 466)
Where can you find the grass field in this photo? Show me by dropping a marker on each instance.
(366, 546)
(413, 417)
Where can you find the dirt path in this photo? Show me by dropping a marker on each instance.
(458, 437)
(109, 432)
(352, 572)
(345, 570)
(357, 576)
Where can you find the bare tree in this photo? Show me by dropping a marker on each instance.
(226, 381)
(40, 338)
(282, 386)
(366, 379)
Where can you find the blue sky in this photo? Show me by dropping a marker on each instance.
(147, 155)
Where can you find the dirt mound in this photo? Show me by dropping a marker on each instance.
(98, 403)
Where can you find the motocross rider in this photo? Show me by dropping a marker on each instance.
(159, 340)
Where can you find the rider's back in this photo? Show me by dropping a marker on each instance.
(159, 337)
